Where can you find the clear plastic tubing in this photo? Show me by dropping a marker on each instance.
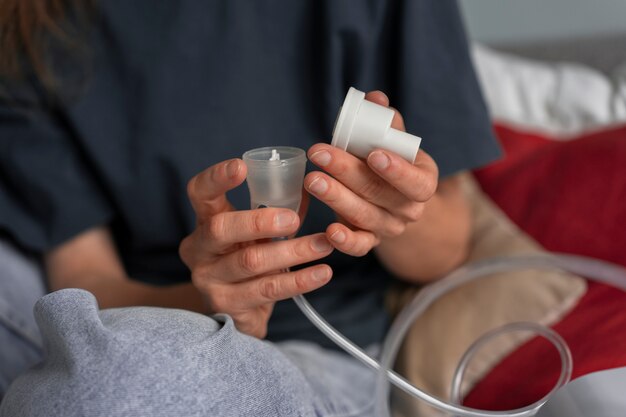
(590, 268)
(546, 332)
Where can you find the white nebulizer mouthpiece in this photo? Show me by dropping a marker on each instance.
(363, 126)
(275, 176)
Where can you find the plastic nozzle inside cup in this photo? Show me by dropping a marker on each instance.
(275, 176)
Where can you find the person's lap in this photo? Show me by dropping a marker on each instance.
(151, 361)
(343, 386)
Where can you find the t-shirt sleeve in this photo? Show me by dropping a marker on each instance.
(417, 52)
(47, 191)
(440, 96)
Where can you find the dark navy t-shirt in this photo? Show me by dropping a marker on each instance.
(176, 86)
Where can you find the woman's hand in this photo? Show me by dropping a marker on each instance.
(376, 198)
(234, 263)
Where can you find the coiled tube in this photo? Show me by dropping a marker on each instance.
(546, 332)
(587, 267)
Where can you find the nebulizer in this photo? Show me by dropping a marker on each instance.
(275, 179)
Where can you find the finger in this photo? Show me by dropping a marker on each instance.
(207, 190)
(351, 242)
(272, 288)
(353, 208)
(267, 257)
(416, 181)
(224, 229)
(253, 322)
(381, 98)
(377, 97)
(398, 121)
(357, 176)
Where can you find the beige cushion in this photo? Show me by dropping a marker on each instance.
(437, 340)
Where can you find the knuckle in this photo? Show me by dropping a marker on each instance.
(429, 186)
(300, 281)
(270, 289)
(414, 211)
(363, 247)
(340, 168)
(215, 227)
(372, 189)
(360, 218)
(395, 228)
(357, 248)
(402, 172)
(351, 243)
(258, 221)
(251, 260)
(300, 250)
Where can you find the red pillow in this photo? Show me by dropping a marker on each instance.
(571, 197)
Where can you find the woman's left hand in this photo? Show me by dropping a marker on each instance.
(376, 198)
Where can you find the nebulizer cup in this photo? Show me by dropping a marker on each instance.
(275, 176)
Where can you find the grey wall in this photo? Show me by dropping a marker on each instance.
(505, 21)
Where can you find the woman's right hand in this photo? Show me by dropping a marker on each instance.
(232, 259)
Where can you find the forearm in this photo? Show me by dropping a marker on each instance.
(90, 261)
(124, 292)
(437, 243)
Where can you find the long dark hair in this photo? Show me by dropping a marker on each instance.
(30, 29)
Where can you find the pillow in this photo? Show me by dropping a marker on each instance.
(559, 98)
(571, 197)
(438, 338)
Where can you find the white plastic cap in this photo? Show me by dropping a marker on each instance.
(363, 126)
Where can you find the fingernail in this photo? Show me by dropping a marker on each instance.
(379, 160)
(321, 274)
(232, 169)
(285, 219)
(318, 186)
(338, 237)
(320, 244)
(321, 158)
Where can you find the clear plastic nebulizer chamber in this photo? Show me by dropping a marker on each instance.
(275, 176)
